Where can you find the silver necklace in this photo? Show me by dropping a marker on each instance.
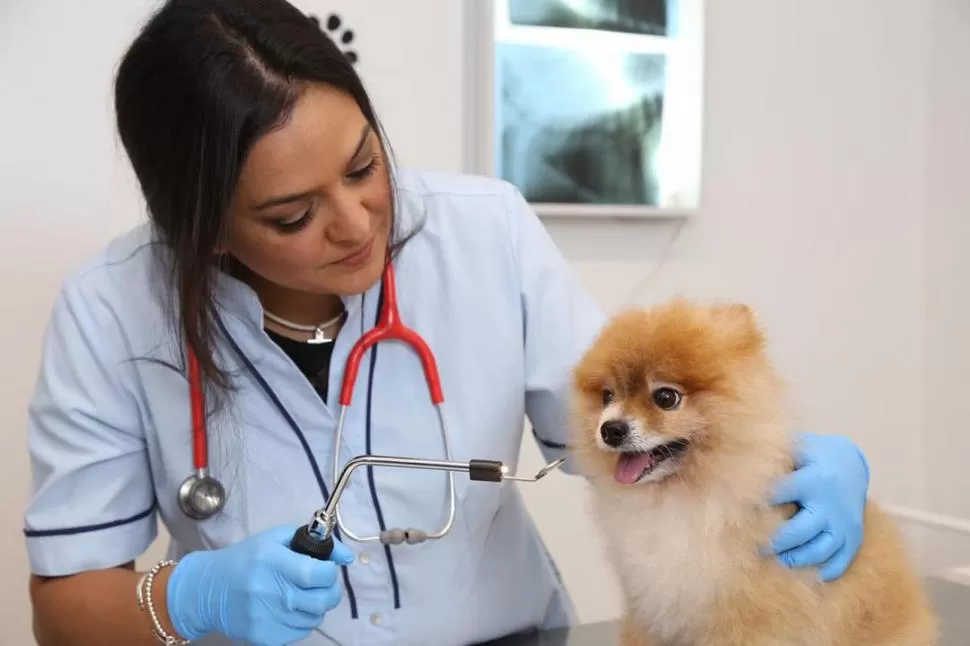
(319, 330)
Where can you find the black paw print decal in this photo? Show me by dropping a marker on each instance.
(339, 34)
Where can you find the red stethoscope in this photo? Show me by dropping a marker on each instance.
(201, 495)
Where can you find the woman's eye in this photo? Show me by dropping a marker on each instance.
(292, 226)
(364, 172)
(666, 398)
(607, 397)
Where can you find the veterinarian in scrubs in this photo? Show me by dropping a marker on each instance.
(272, 198)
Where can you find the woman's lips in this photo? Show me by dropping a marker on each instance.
(357, 258)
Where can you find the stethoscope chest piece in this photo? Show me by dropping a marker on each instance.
(201, 496)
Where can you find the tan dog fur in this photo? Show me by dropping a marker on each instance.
(686, 546)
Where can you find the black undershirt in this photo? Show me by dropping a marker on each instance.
(313, 360)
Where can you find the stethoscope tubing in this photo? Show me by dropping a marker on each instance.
(200, 448)
(390, 327)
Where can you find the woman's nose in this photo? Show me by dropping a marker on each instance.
(350, 220)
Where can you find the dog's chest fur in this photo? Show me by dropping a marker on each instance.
(672, 558)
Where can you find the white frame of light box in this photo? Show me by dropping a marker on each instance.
(681, 148)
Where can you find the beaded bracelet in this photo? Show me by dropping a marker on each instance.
(143, 592)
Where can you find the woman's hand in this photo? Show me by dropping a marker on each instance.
(257, 591)
(830, 485)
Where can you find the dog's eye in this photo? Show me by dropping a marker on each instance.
(666, 398)
(607, 396)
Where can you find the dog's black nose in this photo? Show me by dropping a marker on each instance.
(614, 432)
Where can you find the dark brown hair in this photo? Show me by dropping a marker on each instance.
(202, 81)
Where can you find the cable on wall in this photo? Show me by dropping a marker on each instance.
(665, 254)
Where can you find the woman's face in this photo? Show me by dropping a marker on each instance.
(312, 210)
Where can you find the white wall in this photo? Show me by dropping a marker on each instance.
(946, 306)
(836, 144)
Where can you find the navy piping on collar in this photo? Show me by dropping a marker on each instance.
(83, 529)
(370, 469)
(351, 597)
(547, 443)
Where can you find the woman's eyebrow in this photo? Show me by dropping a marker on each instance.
(360, 142)
(281, 199)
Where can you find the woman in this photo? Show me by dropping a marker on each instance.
(274, 207)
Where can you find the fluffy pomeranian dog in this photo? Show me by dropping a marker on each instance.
(681, 428)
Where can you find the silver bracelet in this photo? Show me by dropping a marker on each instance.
(143, 592)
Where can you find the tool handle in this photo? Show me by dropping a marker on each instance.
(303, 543)
(485, 470)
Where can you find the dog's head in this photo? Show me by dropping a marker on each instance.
(675, 390)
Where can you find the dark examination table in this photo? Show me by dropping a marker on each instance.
(952, 603)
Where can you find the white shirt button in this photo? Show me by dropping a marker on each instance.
(364, 558)
(376, 619)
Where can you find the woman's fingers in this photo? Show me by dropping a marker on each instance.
(798, 530)
(316, 603)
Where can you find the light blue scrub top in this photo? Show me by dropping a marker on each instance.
(110, 440)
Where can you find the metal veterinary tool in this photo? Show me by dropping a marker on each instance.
(315, 539)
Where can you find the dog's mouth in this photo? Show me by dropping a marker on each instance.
(632, 467)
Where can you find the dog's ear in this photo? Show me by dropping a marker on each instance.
(736, 311)
(738, 325)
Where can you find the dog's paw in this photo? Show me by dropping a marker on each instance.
(343, 36)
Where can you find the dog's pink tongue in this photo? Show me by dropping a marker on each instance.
(629, 467)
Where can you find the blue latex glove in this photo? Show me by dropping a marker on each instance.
(257, 591)
(830, 485)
